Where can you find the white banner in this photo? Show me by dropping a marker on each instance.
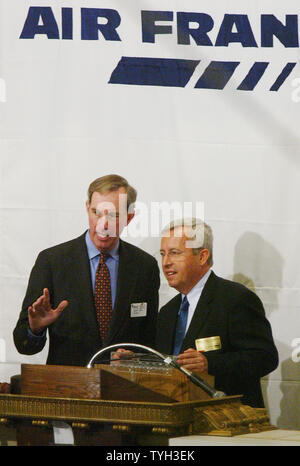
(195, 103)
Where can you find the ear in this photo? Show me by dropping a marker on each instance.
(130, 217)
(204, 256)
(87, 206)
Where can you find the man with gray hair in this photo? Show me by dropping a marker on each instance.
(213, 325)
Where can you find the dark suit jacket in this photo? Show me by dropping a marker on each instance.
(74, 338)
(235, 314)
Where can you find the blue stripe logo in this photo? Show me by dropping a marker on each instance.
(172, 72)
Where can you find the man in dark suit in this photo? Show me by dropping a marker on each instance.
(209, 306)
(61, 297)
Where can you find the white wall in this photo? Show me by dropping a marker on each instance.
(63, 125)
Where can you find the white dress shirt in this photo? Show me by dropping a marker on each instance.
(194, 295)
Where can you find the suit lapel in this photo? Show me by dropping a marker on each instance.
(168, 325)
(81, 276)
(201, 313)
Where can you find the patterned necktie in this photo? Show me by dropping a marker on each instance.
(102, 296)
(181, 325)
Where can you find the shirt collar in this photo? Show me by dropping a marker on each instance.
(94, 252)
(196, 291)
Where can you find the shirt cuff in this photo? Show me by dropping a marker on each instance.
(36, 338)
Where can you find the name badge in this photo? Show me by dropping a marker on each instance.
(138, 310)
(208, 344)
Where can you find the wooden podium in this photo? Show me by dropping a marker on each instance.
(119, 405)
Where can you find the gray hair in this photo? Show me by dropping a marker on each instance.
(198, 233)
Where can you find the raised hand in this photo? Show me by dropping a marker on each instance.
(41, 314)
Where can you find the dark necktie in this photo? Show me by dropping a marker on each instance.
(181, 325)
(102, 296)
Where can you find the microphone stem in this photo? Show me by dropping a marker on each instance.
(193, 377)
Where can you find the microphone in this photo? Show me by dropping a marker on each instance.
(167, 360)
